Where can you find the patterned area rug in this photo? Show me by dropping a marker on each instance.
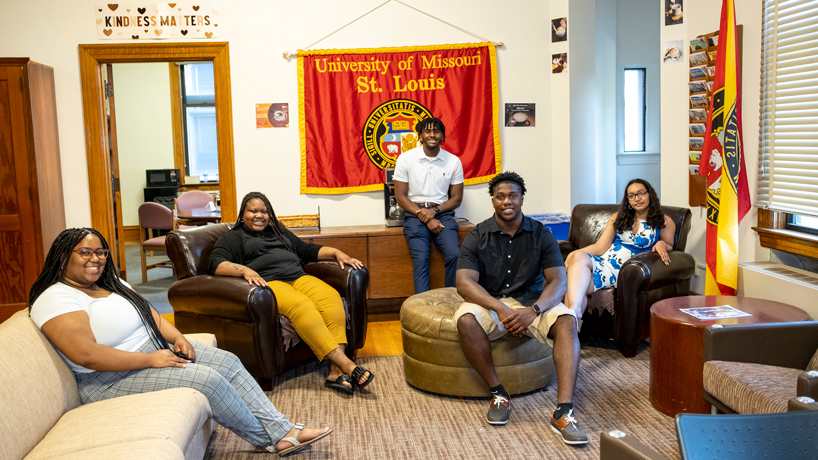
(392, 420)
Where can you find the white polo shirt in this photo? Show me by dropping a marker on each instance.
(429, 178)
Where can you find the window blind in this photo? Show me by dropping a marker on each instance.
(788, 144)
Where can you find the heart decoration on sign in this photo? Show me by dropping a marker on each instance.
(113, 6)
(172, 5)
(208, 34)
(158, 32)
(184, 32)
(99, 21)
(99, 9)
(214, 12)
(179, 9)
(119, 33)
(107, 32)
(215, 25)
(146, 30)
(128, 10)
(198, 30)
(195, 7)
(135, 37)
(141, 10)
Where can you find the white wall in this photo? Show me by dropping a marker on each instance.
(701, 17)
(637, 46)
(144, 129)
(258, 32)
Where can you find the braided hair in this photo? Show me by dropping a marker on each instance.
(54, 271)
(433, 123)
(274, 228)
(626, 217)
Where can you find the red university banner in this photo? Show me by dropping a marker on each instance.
(358, 110)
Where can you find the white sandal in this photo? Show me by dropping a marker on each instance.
(296, 445)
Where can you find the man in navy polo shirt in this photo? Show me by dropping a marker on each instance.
(504, 262)
(429, 187)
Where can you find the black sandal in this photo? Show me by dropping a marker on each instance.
(338, 385)
(359, 372)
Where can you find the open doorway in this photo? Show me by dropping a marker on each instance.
(102, 186)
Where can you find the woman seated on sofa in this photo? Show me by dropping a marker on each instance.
(117, 345)
(638, 226)
(262, 251)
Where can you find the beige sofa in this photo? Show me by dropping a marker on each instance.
(41, 416)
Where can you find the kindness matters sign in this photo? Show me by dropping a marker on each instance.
(358, 110)
(146, 21)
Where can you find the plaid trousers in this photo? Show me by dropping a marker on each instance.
(237, 402)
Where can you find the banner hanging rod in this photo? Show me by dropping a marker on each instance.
(290, 54)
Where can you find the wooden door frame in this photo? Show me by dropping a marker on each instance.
(96, 138)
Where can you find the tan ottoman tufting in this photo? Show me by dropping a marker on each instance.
(433, 360)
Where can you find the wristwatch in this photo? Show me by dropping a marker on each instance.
(436, 209)
(536, 309)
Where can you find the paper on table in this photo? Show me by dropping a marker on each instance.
(718, 312)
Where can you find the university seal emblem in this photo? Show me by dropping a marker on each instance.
(390, 130)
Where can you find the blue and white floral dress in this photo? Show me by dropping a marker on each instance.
(625, 245)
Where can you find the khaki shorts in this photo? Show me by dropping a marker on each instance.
(490, 322)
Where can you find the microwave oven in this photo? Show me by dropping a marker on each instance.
(163, 177)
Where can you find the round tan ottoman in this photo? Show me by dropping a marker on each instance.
(433, 360)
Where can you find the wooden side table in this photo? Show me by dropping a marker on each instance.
(676, 346)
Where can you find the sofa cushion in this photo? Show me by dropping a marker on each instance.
(750, 388)
(153, 449)
(175, 415)
(37, 386)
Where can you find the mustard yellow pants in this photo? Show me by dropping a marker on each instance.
(316, 311)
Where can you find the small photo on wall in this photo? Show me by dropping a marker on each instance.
(520, 115)
(674, 51)
(559, 63)
(559, 30)
(673, 12)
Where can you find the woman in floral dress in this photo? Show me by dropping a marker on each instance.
(638, 226)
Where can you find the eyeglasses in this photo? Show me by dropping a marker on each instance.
(640, 194)
(86, 253)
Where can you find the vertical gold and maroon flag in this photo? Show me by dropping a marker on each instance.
(722, 162)
(359, 107)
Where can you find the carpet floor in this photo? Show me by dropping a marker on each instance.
(159, 279)
(393, 420)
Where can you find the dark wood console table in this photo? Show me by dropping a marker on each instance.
(385, 253)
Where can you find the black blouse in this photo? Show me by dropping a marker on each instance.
(265, 252)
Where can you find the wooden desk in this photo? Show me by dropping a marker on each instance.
(676, 346)
(385, 253)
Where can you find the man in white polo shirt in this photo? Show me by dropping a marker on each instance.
(429, 187)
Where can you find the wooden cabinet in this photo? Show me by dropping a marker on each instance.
(385, 253)
(32, 212)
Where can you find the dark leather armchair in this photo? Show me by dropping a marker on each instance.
(623, 313)
(245, 318)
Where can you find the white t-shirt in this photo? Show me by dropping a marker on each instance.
(429, 178)
(114, 321)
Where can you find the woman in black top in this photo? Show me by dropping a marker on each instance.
(262, 251)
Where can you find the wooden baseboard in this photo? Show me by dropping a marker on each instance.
(131, 234)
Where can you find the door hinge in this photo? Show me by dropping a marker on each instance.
(116, 185)
(109, 90)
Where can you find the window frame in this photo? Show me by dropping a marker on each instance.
(184, 118)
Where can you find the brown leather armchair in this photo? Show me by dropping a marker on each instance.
(245, 318)
(623, 313)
